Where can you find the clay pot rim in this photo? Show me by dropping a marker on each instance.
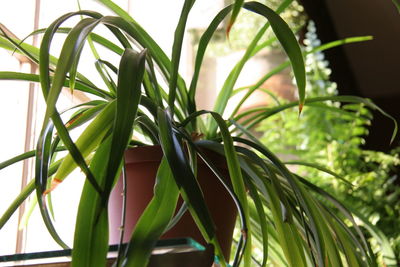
(154, 153)
(151, 153)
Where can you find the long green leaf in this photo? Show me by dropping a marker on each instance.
(23, 195)
(267, 112)
(176, 53)
(302, 198)
(237, 6)
(42, 163)
(262, 220)
(130, 76)
(286, 64)
(286, 233)
(21, 157)
(258, 180)
(313, 208)
(84, 115)
(33, 54)
(236, 176)
(184, 177)
(219, 148)
(129, 25)
(125, 22)
(319, 167)
(139, 35)
(93, 36)
(234, 171)
(105, 76)
(89, 139)
(91, 232)
(289, 44)
(227, 88)
(291, 244)
(45, 48)
(387, 251)
(154, 219)
(79, 85)
(346, 211)
(203, 43)
(153, 78)
(70, 51)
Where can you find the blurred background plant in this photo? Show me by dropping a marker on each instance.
(323, 137)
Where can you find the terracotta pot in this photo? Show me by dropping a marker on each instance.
(141, 166)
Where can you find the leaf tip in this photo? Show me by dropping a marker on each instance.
(229, 28)
(70, 122)
(54, 183)
(301, 105)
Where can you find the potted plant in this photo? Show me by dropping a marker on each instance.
(275, 206)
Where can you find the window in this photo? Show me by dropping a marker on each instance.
(22, 108)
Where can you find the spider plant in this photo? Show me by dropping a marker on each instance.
(296, 223)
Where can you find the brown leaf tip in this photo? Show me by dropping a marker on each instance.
(54, 183)
(228, 29)
(300, 108)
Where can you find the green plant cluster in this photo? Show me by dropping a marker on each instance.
(335, 140)
(294, 221)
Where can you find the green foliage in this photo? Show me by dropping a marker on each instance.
(294, 219)
(335, 140)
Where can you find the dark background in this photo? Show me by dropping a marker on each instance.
(370, 69)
